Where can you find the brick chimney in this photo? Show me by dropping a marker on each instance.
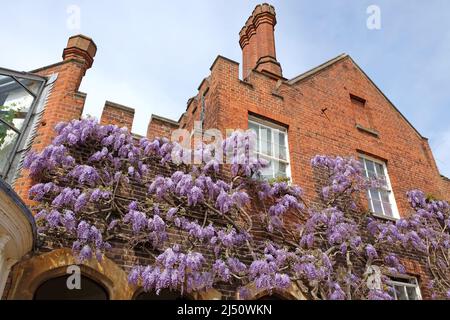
(81, 48)
(63, 101)
(257, 41)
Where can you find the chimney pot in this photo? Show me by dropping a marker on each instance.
(257, 41)
(80, 47)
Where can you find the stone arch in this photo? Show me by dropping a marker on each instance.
(29, 274)
(55, 289)
(291, 293)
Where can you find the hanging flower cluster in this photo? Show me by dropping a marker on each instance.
(202, 225)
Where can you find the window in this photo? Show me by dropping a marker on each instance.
(19, 94)
(272, 145)
(405, 289)
(381, 200)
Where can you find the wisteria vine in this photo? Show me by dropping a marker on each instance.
(201, 224)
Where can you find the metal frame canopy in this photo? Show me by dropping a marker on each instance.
(11, 80)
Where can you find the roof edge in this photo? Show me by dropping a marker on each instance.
(170, 121)
(224, 58)
(388, 100)
(119, 106)
(56, 64)
(328, 63)
(320, 67)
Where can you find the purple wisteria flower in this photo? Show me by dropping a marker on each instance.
(207, 223)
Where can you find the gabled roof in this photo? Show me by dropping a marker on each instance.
(340, 57)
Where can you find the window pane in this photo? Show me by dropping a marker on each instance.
(383, 183)
(15, 101)
(370, 201)
(280, 169)
(361, 160)
(370, 168)
(386, 202)
(280, 152)
(280, 149)
(387, 209)
(412, 293)
(281, 138)
(266, 141)
(268, 172)
(374, 194)
(380, 169)
(377, 206)
(255, 128)
(384, 196)
(401, 292)
(31, 85)
(7, 139)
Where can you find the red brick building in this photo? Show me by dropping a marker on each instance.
(333, 109)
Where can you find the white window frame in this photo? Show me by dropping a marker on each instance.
(394, 208)
(272, 126)
(410, 282)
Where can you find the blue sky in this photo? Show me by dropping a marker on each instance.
(152, 55)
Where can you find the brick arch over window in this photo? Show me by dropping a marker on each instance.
(291, 293)
(28, 275)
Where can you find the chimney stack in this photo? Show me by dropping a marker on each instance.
(257, 41)
(81, 48)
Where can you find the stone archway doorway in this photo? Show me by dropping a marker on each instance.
(57, 289)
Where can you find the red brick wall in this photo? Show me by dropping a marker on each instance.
(317, 110)
(333, 132)
(194, 107)
(117, 114)
(160, 128)
(64, 103)
(446, 188)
